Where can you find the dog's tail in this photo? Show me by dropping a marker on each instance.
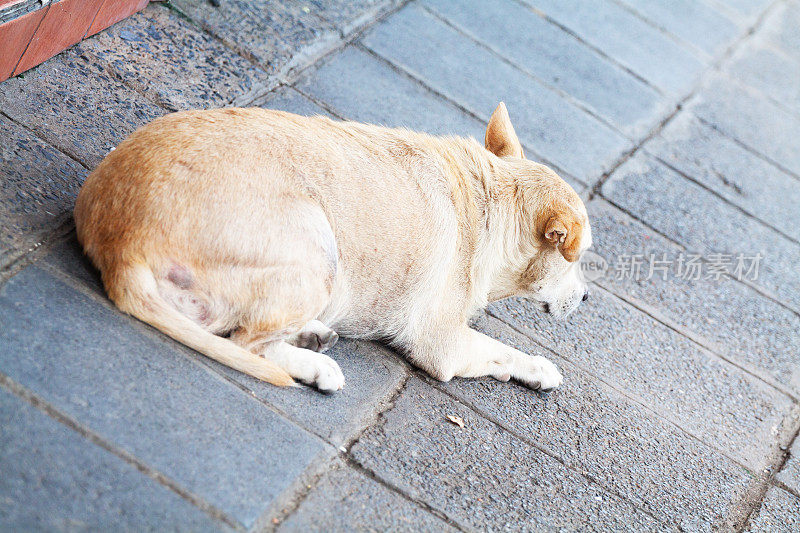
(133, 288)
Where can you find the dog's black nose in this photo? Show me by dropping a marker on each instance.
(546, 307)
(585, 296)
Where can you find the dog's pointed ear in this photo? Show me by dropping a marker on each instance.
(563, 230)
(501, 139)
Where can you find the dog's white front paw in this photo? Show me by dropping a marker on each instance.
(537, 373)
(321, 372)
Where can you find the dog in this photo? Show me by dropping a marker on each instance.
(253, 236)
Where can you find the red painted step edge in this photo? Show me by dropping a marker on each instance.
(15, 35)
(39, 35)
(112, 11)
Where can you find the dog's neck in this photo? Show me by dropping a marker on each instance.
(493, 251)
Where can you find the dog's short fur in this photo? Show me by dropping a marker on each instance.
(250, 235)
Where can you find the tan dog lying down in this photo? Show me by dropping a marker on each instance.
(250, 235)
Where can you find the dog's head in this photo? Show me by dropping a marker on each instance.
(551, 227)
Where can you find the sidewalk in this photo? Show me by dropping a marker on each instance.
(678, 122)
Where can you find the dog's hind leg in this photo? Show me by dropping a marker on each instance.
(135, 290)
(280, 322)
(304, 365)
(309, 367)
(314, 336)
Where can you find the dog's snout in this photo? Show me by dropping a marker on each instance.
(585, 295)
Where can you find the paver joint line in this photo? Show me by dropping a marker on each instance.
(761, 290)
(655, 23)
(749, 148)
(350, 461)
(780, 484)
(287, 503)
(291, 76)
(298, 498)
(210, 30)
(484, 119)
(715, 65)
(65, 152)
(317, 101)
(43, 406)
(701, 342)
(721, 197)
(275, 409)
(192, 356)
(17, 263)
(596, 49)
(574, 101)
(527, 440)
(753, 500)
(628, 395)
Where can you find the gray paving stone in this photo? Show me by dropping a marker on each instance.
(746, 115)
(75, 105)
(728, 315)
(346, 500)
(360, 87)
(747, 8)
(700, 151)
(554, 56)
(54, 480)
(694, 21)
(278, 35)
(594, 429)
(349, 15)
(372, 373)
(628, 39)
(155, 48)
(780, 28)
(687, 385)
(287, 99)
(779, 512)
(146, 396)
(470, 75)
(703, 223)
(774, 73)
(790, 473)
(482, 476)
(68, 257)
(38, 185)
